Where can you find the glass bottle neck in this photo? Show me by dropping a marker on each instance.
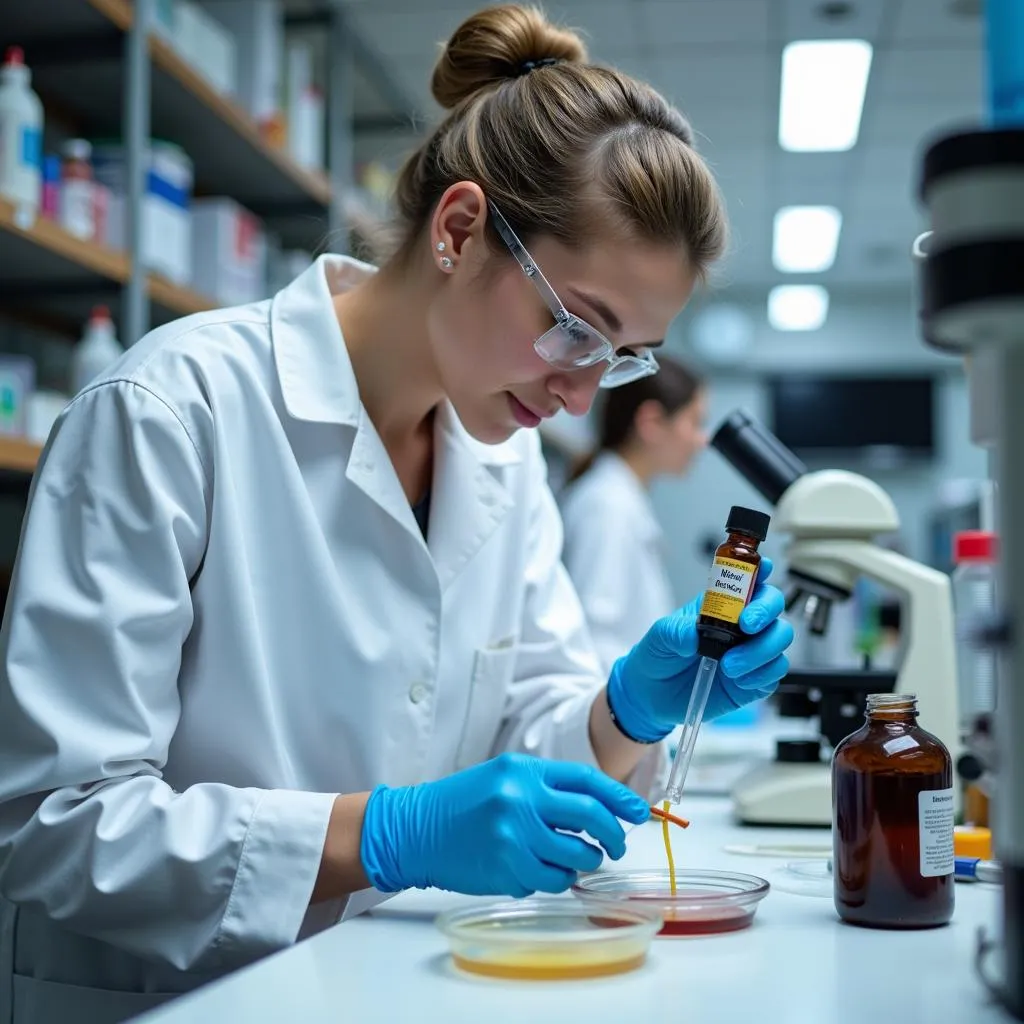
(891, 707)
(742, 537)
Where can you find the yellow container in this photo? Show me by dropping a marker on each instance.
(971, 841)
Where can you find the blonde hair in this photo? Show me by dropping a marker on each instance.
(564, 148)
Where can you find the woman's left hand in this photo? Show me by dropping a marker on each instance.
(649, 688)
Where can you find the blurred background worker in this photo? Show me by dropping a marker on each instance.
(614, 543)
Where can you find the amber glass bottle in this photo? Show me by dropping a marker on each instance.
(892, 806)
(731, 582)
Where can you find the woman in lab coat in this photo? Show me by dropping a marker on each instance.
(288, 628)
(649, 428)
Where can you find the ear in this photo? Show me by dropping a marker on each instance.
(460, 215)
(648, 420)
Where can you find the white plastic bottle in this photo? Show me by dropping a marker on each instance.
(21, 139)
(973, 582)
(77, 190)
(97, 350)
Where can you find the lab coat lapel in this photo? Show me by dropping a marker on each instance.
(370, 469)
(469, 501)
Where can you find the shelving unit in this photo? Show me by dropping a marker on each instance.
(87, 57)
(18, 456)
(82, 73)
(54, 276)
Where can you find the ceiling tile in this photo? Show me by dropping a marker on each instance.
(896, 121)
(740, 77)
(932, 21)
(803, 19)
(696, 23)
(927, 73)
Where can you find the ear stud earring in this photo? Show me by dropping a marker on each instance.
(447, 262)
(440, 247)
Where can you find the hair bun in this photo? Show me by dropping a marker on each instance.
(495, 44)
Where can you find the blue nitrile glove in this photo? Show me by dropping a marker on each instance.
(498, 828)
(649, 688)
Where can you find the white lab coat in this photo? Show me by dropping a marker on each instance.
(223, 614)
(615, 554)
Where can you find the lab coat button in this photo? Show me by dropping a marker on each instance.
(417, 692)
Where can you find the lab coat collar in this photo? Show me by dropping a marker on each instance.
(470, 499)
(318, 384)
(313, 365)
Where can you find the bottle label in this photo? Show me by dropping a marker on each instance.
(728, 589)
(935, 824)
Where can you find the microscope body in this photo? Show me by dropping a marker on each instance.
(834, 519)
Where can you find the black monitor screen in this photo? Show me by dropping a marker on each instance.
(853, 412)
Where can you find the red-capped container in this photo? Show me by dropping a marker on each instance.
(975, 556)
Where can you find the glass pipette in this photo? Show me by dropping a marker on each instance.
(691, 726)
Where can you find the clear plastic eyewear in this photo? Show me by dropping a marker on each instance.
(572, 344)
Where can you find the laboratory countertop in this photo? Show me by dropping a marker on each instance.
(797, 963)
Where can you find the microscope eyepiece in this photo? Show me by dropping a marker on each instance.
(757, 454)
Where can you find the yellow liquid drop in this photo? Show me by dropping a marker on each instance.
(666, 835)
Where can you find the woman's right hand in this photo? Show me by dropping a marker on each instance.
(497, 828)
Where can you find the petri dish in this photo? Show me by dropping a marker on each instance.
(549, 939)
(806, 878)
(705, 902)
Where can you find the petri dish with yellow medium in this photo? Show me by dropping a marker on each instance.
(555, 939)
(704, 902)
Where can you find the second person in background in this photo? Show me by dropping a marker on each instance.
(614, 545)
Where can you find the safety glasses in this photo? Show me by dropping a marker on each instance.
(572, 344)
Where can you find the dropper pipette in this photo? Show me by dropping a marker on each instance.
(691, 726)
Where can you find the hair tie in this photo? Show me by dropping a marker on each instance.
(531, 65)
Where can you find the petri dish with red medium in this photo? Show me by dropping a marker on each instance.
(704, 903)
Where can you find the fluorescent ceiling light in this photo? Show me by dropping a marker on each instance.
(823, 86)
(806, 238)
(797, 307)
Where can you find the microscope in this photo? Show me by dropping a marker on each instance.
(833, 519)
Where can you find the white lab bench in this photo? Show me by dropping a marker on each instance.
(797, 964)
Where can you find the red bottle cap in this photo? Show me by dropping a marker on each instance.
(99, 313)
(15, 55)
(975, 546)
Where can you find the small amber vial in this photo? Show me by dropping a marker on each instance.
(893, 810)
(731, 582)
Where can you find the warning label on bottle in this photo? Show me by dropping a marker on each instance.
(728, 589)
(935, 822)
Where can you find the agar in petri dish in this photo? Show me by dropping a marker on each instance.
(704, 903)
(549, 939)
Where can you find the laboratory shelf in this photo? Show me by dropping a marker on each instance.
(75, 50)
(18, 456)
(42, 260)
(231, 157)
(172, 300)
(57, 277)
